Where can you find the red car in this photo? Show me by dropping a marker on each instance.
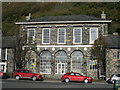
(26, 74)
(3, 75)
(73, 76)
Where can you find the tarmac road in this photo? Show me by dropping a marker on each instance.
(12, 83)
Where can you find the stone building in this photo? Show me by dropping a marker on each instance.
(112, 55)
(55, 45)
(7, 54)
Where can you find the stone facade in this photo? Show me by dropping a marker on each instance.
(7, 54)
(6, 64)
(69, 47)
(55, 59)
(112, 62)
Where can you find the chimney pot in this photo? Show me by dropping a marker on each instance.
(103, 15)
(28, 17)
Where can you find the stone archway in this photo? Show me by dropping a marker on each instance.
(30, 60)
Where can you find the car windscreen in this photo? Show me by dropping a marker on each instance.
(118, 75)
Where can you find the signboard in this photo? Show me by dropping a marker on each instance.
(32, 65)
(117, 85)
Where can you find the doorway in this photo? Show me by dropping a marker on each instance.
(61, 68)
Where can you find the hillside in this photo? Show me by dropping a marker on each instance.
(16, 11)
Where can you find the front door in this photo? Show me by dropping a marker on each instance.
(60, 68)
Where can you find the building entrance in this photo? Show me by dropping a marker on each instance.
(61, 68)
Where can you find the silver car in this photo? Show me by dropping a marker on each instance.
(113, 78)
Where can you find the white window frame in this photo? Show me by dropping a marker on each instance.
(0, 53)
(93, 69)
(58, 36)
(119, 55)
(28, 35)
(5, 54)
(3, 63)
(92, 65)
(62, 67)
(92, 42)
(43, 35)
(74, 35)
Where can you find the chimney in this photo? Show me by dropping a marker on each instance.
(28, 17)
(103, 15)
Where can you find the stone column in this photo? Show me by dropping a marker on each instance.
(68, 63)
(53, 65)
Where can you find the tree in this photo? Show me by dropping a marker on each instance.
(98, 52)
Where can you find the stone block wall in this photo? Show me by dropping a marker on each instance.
(102, 29)
(111, 62)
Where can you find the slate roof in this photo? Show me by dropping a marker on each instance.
(65, 18)
(113, 41)
(8, 42)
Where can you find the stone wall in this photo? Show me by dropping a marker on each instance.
(102, 29)
(111, 62)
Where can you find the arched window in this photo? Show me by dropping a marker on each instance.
(45, 62)
(30, 59)
(60, 62)
(77, 61)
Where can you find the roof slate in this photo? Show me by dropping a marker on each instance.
(65, 18)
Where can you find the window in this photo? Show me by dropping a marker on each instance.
(77, 74)
(93, 65)
(71, 74)
(77, 35)
(60, 62)
(119, 55)
(93, 35)
(31, 36)
(77, 61)
(2, 67)
(46, 36)
(61, 36)
(3, 54)
(45, 62)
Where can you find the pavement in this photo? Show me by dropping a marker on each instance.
(51, 80)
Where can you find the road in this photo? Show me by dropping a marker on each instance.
(51, 84)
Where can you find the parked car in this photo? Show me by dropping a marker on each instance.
(3, 75)
(73, 76)
(113, 78)
(26, 74)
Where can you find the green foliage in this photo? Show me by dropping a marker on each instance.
(99, 52)
(16, 11)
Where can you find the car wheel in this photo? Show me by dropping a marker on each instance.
(17, 77)
(85, 81)
(67, 80)
(34, 78)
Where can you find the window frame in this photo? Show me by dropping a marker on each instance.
(43, 60)
(93, 66)
(119, 55)
(58, 36)
(5, 54)
(32, 36)
(74, 35)
(43, 35)
(90, 41)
